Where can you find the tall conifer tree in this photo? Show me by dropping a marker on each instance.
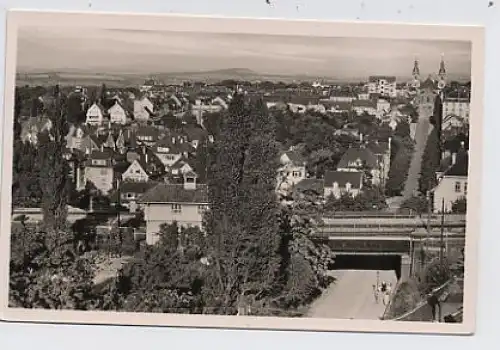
(242, 222)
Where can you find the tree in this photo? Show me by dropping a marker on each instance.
(398, 172)
(242, 221)
(44, 277)
(416, 204)
(431, 159)
(369, 199)
(163, 277)
(459, 206)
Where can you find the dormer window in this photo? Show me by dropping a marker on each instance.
(99, 162)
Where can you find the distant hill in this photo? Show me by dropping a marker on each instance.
(80, 77)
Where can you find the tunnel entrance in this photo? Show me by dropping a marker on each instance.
(368, 262)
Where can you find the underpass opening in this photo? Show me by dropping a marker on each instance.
(377, 262)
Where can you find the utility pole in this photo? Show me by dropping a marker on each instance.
(441, 245)
(429, 212)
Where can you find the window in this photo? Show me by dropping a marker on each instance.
(458, 187)
(98, 162)
(176, 208)
(465, 187)
(297, 174)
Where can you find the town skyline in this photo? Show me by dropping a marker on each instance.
(138, 52)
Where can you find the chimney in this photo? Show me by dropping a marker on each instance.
(146, 157)
(189, 181)
(102, 147)
(453, 158)
(361, 138)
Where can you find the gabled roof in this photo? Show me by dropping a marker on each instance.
(175, 193)
(355, 178)
(366, 156)
(295, 158)
(310, 185)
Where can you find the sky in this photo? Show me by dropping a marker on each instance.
(148, 52)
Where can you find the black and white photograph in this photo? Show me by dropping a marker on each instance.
(195, 168)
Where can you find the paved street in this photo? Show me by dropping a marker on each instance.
(351, 296)
(423, 130)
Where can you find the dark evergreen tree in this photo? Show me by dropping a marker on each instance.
(398, 172)
(54, 169)
(431, 159)
(242, 222)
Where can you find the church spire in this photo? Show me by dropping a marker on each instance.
(416, 69)
(442, 69)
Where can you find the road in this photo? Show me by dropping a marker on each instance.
(423, 130)
(351, 296)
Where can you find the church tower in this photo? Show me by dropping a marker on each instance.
(442, 74)
(416, 75)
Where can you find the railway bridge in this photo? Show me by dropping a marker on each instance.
(388, 242)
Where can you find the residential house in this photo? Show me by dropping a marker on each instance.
(452, 183)
(143, 165)
(147, 135)
(291, 171)
(365, 106)
(117, 114)
(143, 109)
(338, 183)
(361, 158)
(99, 170)
(168, 203)
(95, 114)
(171, 148)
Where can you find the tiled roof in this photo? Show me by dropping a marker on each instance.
(295, 157)
(314, 185)
(133, 187)
(355, 178)
(175, 193)
(365, 155)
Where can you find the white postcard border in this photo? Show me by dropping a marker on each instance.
(174, 22)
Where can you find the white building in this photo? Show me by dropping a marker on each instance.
(456, 106)
(383, 85)
(95, 115)
(452, 184)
